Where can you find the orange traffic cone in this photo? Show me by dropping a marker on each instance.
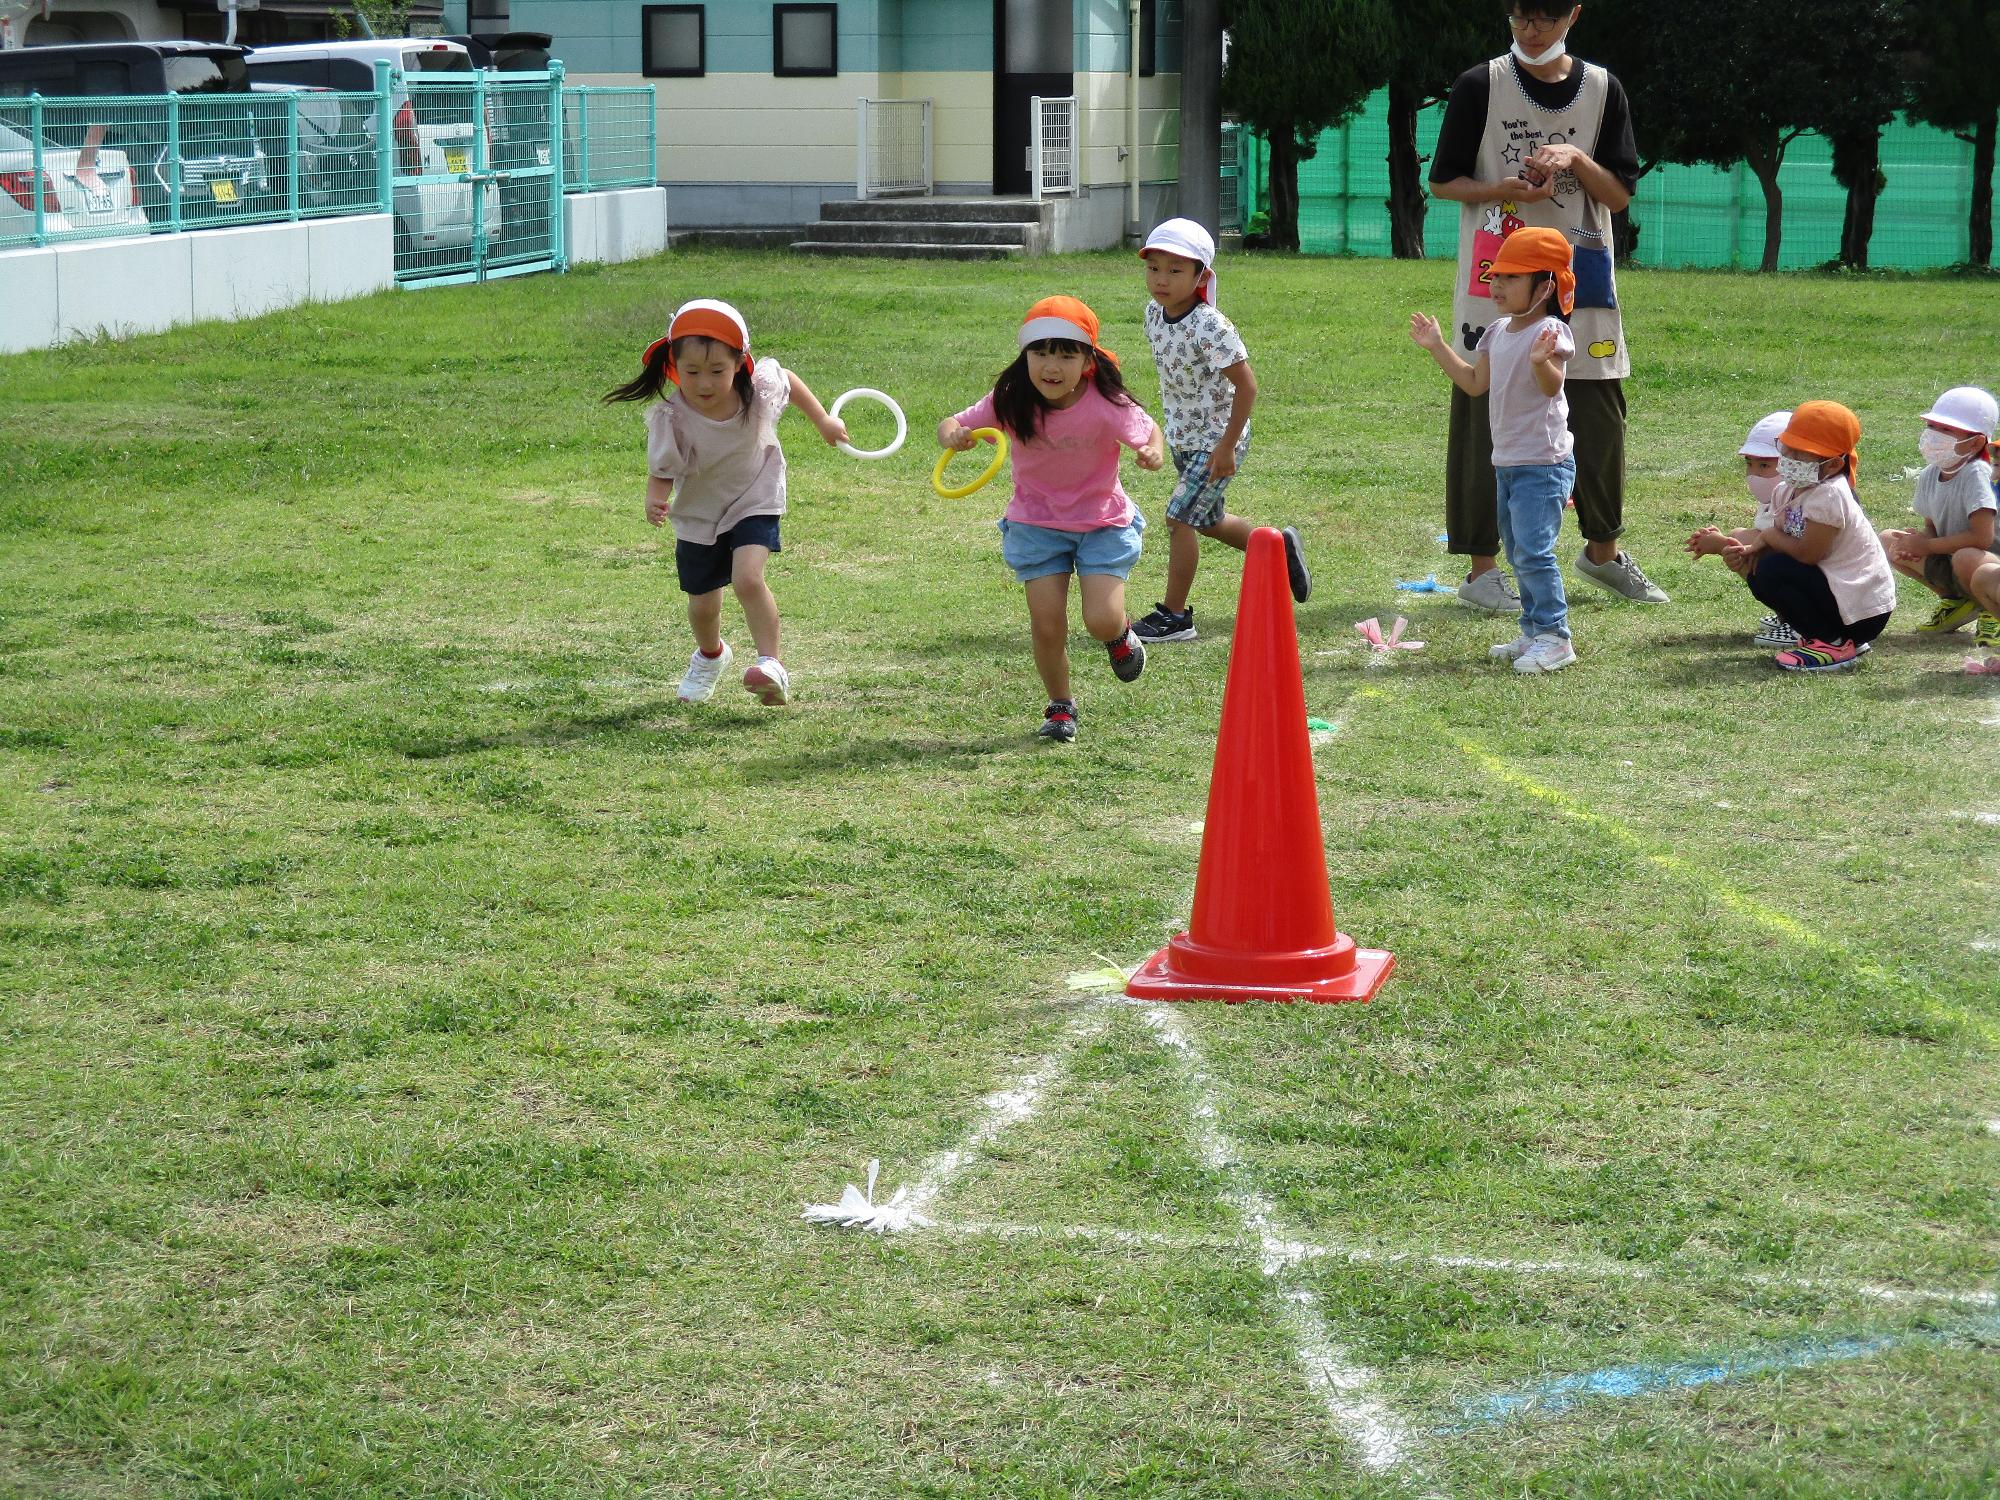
(1262, 927)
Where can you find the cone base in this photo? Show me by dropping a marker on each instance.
(1158, 979)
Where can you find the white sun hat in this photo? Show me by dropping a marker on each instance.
(1967, 408)
(1763, 439)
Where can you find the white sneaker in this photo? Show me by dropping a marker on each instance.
(1623, 577)
(1512, 650)
(1492, 591)
(703, 673)
(768, 682)
(1546, 653)
(1772, 631)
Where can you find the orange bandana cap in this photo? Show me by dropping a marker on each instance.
(1532, 249)
(704, 318)
(1825, 429)
(1063, 318)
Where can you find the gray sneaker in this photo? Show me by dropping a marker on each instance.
(1492, 591)
(1772, 631)
(1622, 576)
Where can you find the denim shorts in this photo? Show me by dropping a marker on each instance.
(1197, 500)
(705, 566)
(1039, 551)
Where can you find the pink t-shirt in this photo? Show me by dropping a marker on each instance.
(1067, 477)
(1856, 567)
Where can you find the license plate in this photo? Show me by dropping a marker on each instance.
(224, 191)
(99, 202)
(455, 162)
(541, 156)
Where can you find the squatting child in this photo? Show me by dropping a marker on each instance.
(1520, 367)
(1206, 392)
(1811, 554)
(1065, 408)
(714, 467)
(1955, 500)
(1760, 456)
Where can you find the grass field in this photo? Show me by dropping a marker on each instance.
(422, 1034)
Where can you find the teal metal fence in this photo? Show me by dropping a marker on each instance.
(98, 167)
(1685, 216)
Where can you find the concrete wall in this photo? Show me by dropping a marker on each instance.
(628, 224)
(120, 287)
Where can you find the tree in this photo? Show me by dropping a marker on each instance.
(1723, 86)
(1295, 69)
(1955, 85)
(1431, 42)
(1857, 46)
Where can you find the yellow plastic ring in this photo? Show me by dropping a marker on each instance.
(993, 435)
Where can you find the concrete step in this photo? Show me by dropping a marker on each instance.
(753, 237)
(885, 231)
(945, 210)
(909, 250)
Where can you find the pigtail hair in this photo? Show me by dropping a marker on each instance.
(648, 383)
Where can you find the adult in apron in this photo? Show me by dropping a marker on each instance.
(1536, 136)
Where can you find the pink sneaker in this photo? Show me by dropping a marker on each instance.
(768, 682)
(1819, 656)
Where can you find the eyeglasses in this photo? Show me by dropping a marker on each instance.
(1536, 25)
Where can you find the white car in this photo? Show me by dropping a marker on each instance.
(432, 130)
(90, 191)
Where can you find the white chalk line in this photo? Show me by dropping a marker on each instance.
(1377, 1435)
(1004, 1108)
(1302, 1251)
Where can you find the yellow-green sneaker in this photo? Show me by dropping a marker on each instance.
(1986, 634)
(1949, 616)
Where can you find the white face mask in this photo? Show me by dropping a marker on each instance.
(1762, 487)
(1799, 473)
(1556, 51)
(1938, 448)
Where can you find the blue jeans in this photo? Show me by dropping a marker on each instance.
(1531, 499)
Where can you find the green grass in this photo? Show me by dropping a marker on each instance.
(421, 1034)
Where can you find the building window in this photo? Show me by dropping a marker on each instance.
(805, 41)
(675, 41)
(1149, 36)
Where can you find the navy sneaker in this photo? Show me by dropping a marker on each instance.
(1059, 720)
(1128, 655)
(1164, 624)
(1295, 565)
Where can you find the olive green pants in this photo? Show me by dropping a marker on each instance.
(1596, 421)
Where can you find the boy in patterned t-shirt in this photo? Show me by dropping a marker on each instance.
(1207, 390)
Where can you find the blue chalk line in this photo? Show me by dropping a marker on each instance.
(1623, 1382)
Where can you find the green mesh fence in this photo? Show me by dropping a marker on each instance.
(1685, 216)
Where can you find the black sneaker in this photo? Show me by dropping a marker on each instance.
(1128, 655)
(1058, 721)
(1296, 573)
(1164, 625)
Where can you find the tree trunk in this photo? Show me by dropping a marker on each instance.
(1407, 199)
(1764, 161)
(1981, 225)
(1284, 189)
(1857, 164)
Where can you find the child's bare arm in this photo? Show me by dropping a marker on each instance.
(1473, 379)
(659, 498)
(1152, 454)
(1548, 361)
(1809, 546)
(951, 435)
(1978, 533)
(831, 428)
(1222, 462)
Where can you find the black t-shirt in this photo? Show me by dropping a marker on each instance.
(1457, 153)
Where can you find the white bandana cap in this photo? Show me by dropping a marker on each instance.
(1187, 238)
(1763, 439)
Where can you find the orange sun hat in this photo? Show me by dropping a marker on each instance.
(1532, 249)
(1825, 429)
(705, 318)
(1063, 318)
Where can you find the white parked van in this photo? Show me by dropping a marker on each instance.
(432, 129)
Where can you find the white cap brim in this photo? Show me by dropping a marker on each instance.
(1763, 439)
(1037, 329)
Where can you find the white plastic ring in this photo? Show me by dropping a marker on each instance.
(902, 427)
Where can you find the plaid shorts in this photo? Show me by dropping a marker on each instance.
(1197, 500)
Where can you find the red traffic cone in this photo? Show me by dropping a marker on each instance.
(1262, 927)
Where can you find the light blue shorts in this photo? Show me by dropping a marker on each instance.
(1039, 551)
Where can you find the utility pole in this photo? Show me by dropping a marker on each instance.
(1201, 113)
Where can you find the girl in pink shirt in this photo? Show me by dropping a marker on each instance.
(1066, 410)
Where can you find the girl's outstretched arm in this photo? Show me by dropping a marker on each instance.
(1473, 379)
(831, 428)
(659, 498)
(951, 435)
